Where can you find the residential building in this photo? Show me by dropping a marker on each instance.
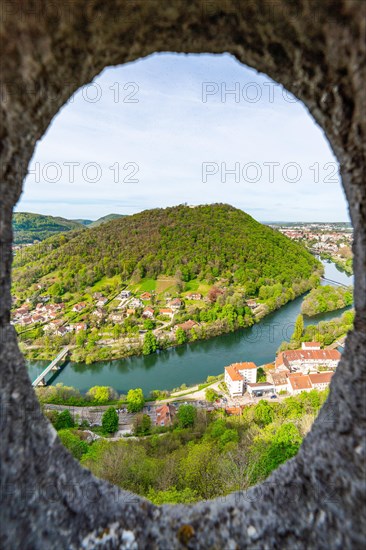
(321, 380)
(307, 360)
(238, 375)
(125, 294)
(145, 296)
(298, 382)
(194, 296)
(176, 303)
(164, 415)
(79, 307)
(310, 345)
(260, 388)
(148, 313)
(187, 325)
(166, 311)
(279, 381)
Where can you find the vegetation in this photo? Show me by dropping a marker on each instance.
(64, 420)
(67, 395)
(208, 458)
(215, 250)
(206, 242)
(186, 415)
(29, 228)
(326, 298)
(135, 400)
(325, 332)
(110, 420)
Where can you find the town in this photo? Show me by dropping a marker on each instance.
(329, 240)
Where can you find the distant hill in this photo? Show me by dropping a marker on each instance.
(207, 243)
(29, 228)
(83, 222)
(105, 219)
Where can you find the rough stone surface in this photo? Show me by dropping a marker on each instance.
(316, 49)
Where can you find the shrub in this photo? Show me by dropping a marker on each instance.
(110, 420)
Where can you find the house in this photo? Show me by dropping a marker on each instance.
(36, 318)
(260, 388)
(307, 360)
(26, 320)
(136, 303)
(164, 415)
(125, 294)
(102, 301)
(61, 331)
(321, 380)
(234, 411)
(298, 382)
(279, 381)
(238, 375)
(188, 325)
(97, 295)
(148, 313)
(234, 381)
(176, 303)
(252, 304)
(99, 313)
(310, 345)
(166, 311)
(131, 311)
(145, 296)
(194, 296)
(80, 326)
(116, 317)
(79, 307)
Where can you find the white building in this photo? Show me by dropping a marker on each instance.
(304, 361)
(238, 375)
(310, 345)
(260, 388)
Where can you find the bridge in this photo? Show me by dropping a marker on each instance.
(333, 282)
(55, 365)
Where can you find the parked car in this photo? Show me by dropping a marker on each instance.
(273, 396)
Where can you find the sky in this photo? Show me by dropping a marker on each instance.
(174, 128)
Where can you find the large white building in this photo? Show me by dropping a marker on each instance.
(238, 375)
(305, 360)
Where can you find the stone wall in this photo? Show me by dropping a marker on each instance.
(316, 49)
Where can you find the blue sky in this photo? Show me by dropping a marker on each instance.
(162, 131)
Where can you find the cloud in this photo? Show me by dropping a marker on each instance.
(138, 136)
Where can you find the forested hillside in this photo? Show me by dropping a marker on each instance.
(205, 242)
(29, 228)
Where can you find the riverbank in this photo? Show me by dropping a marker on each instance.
(190, 364)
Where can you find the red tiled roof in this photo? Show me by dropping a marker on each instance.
(300, 381)
(245, 365)
(321, 377)
(187, 325)
(233, 373)
(285, 357)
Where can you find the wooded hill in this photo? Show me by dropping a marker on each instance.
(29, 228)
(204, 242)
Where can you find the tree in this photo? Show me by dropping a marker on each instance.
(261, 375)
(150, 344)
(64, 420)
(142, 424)
(135, 400)
(110, 420)
(180, 336)
(102, 394)
(186, 415)
(263, 413)
(73, 443)
(211, 395)
(81, 338)
(298, 329)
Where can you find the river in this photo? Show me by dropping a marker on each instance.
(192, 363)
